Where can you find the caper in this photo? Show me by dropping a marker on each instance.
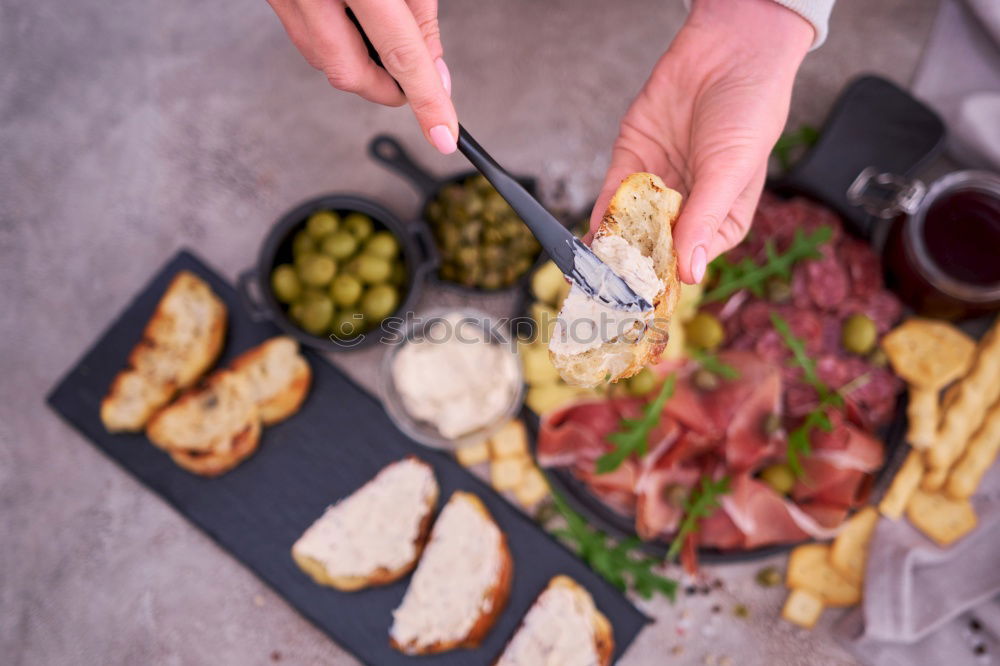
(858, 334)
(772, 424)
(704, 331)
(492, 279)
(768, 577)
(779, 477)
(779, 291)
(705, 380)
(642, 382)
(359, 224)
(675, 494)
(878, 358)
(285, 283)
(339, 245)
(321, 223)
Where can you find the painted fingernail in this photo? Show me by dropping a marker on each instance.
(699, 260)
(443, 140)
(442, 69)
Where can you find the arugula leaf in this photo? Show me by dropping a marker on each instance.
(632, 437)
(798, 439)
(747, 274)
(709, 361)
(701, 503)
(618, 563)
(805, 136)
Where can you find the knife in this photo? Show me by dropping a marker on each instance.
(577, 261)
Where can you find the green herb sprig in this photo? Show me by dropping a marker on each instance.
(803, 137)
(748, 274)
(618, 563)
(700, 504)
(634, 433)
(798, 440)
(709, 361)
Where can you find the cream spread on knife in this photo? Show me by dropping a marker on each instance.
(557, 631)
(376, 527)
(449, 588)
(585, 323)
(454, 378)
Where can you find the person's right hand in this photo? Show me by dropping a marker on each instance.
(405, 34)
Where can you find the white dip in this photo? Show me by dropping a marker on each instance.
(376, 527)
(585, 323)
(557, 631)
(448, 591)
(453, 378)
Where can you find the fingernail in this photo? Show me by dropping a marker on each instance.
(442, 69)
(699, 259)
(443, 140)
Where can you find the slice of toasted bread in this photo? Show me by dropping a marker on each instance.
(179, 344)
(641, 212)
(375, 535)
(279, 377)
(211, 428)
(461, 583)
(562, 627)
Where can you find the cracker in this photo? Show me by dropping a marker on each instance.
(928, 354)
(802, 608)
(809, 568)
(941, 518)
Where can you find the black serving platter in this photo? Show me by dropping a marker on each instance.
(339, 439)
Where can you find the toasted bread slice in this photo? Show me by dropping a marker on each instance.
(461, 584)
(209, 429)
(375, 535)
(179, 344)
(642, 213)
(279, 377)
(562, 627)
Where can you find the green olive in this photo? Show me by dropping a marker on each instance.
(285, 283)
(359, 224)
(704, 331)
(316, 315)
(322, 223)
(379, 302)
(345, 290)
(303, 243)
(316, 270)
(296, 311)
(347, 324)
(373, 269)
(339, 245)
(382, 244)
(398, 276)
(779, 477)
(642, 382)
(858, 334)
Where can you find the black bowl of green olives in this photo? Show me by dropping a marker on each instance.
(333, 268)
(482, 243)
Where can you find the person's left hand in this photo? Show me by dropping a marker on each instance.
(707, 118)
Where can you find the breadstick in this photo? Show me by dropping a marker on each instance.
(979, 455)
(922, 414)
(978, 390)
(903, 484)
(934, 478)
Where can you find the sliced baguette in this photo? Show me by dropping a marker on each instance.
(209, 429)
(279, 377)
(375, 535)
(179, 344)
(461, 583)
(562, 627)
(642, 212)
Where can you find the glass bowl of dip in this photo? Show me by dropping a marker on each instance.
(451, 378)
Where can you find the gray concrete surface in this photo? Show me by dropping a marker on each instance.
(130, 129)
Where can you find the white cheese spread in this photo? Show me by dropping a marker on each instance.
(454, 379)
(585, 323)
(557, 631)
(447, 593)
(377, 526)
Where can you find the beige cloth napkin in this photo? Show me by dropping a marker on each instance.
(924, 605)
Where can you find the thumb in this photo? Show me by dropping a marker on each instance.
(716, 184)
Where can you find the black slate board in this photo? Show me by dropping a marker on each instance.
(339, 440)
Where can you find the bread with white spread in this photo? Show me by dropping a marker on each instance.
(279, 377)
(562, 627)
(210, 429)
(593, 343)
(375, 535)
(179, 344)
(461, 583)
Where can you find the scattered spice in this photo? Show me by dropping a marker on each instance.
(275, 656)
(980, 649)
(677, 650)
(725, 660)
(741, 611)
(690, 590)
(716, 608)
(974, 625)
